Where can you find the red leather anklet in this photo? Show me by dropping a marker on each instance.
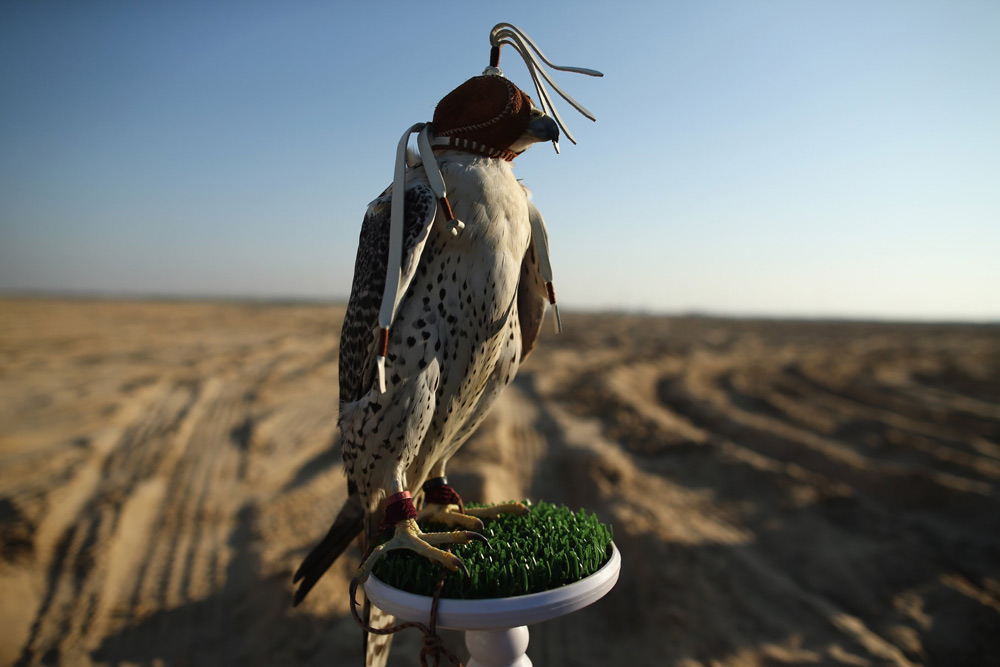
(398, 508)
(437, 492)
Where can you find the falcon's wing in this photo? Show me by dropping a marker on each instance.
(532, 297)
(357, 340)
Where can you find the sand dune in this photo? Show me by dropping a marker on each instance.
(782, 493)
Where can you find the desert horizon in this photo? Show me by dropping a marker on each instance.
(807, 491)
(99, 295)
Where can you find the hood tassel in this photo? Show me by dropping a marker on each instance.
(506, 33)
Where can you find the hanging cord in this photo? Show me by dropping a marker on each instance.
(392, 295)
(433, 646)
(507, 33)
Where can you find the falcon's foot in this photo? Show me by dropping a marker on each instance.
(409, 536)
(444, 505)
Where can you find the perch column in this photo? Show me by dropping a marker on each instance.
(498, 648)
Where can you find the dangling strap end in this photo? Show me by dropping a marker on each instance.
(550, 290)
(383, 350)
(454, 225)
(380, 364)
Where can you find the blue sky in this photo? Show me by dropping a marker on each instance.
(799, 158)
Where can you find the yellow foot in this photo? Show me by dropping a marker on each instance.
(494, 512)
(408, 536)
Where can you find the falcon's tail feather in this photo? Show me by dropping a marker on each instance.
(377, 646)
(348, 525)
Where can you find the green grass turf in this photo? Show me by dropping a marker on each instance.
(544, 549)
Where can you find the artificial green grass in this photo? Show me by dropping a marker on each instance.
(544, 549)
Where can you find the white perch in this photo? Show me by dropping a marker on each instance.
(496, 630)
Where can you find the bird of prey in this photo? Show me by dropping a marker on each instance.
(451, 282)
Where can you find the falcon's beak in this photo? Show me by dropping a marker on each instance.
(543, 128)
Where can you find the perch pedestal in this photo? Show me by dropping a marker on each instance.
(496, 630)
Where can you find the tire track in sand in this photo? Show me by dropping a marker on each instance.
(90, 508)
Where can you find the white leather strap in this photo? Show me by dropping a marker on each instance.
(392, 294)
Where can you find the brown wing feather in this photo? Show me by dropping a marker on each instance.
(531, 296)
(376, 647)
(530, 302)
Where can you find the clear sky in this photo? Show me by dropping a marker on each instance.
(802, 158)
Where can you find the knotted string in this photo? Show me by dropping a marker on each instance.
(433, 646)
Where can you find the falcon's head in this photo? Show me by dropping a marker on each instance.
(490, 115)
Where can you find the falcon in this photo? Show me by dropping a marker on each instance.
(451, 283)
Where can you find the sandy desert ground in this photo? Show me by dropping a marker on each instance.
(782, 493)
